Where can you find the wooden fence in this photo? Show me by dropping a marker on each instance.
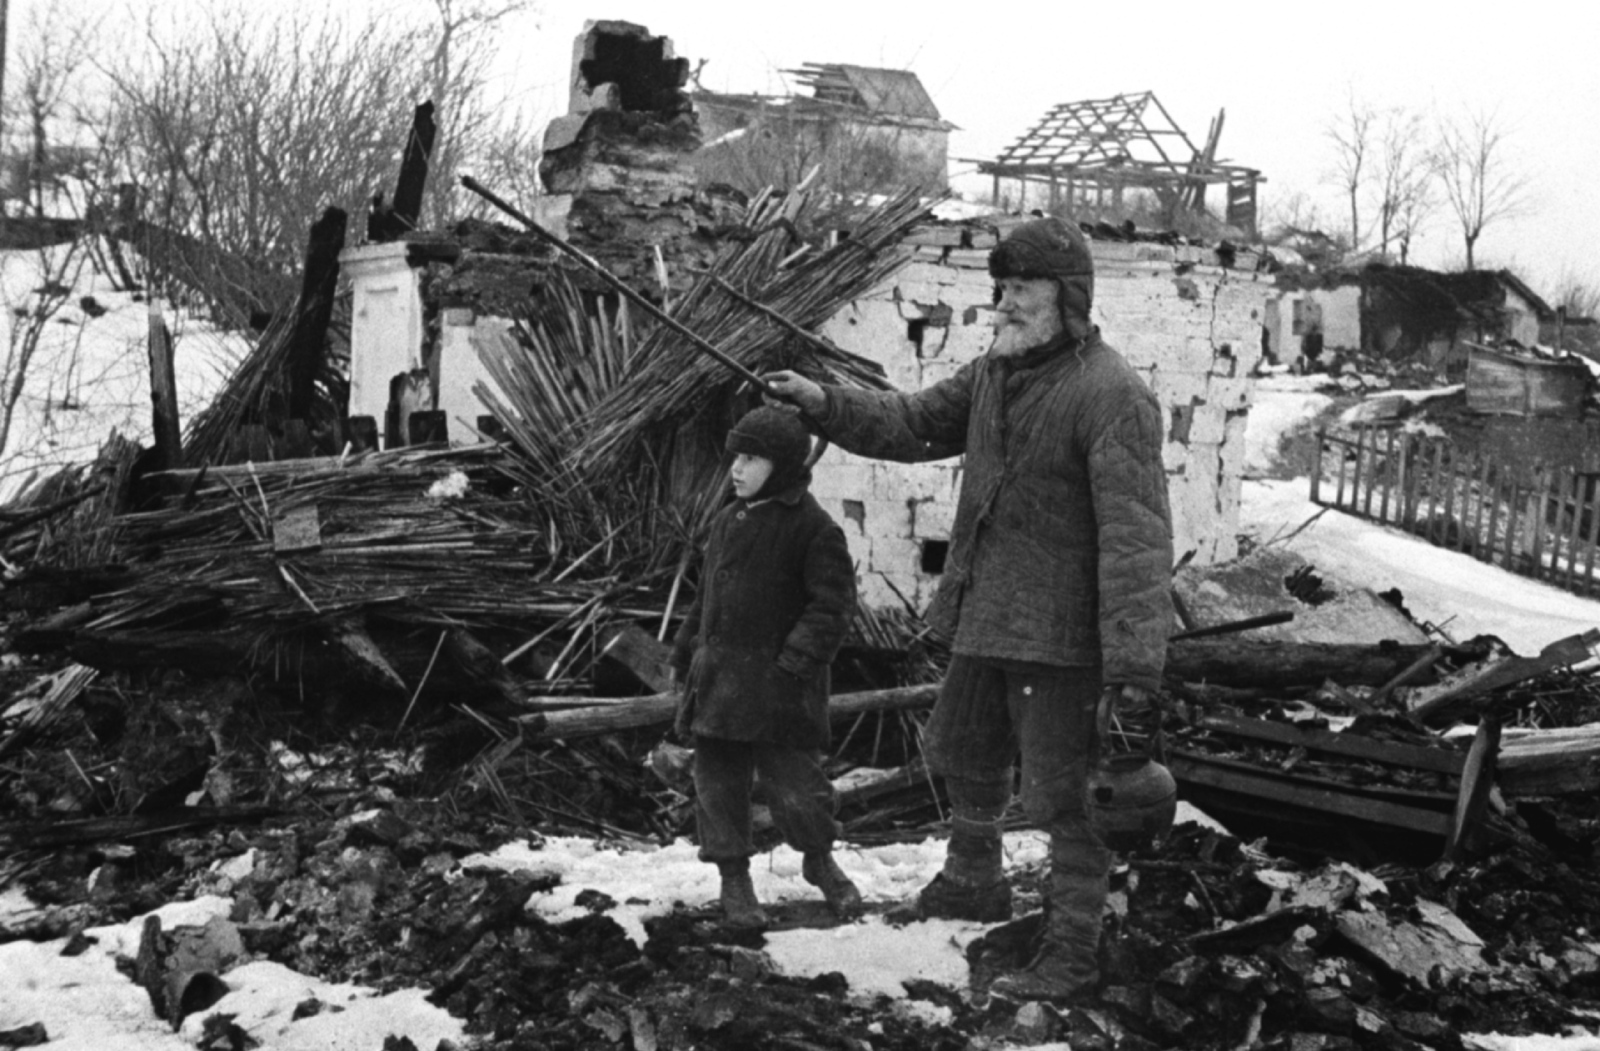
(1542, 524)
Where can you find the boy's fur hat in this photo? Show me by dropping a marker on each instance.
(775, 435)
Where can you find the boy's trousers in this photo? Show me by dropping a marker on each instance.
(793, 786)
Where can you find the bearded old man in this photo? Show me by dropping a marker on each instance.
(1056, 594)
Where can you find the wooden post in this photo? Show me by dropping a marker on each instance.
(1592, 506)
(308, 339)
(1390, 469)
(1541, 508)
(164, 426)
(1355, 476)
(1576, 503)
(1434, 471)
(1486, 553)
(1449, 499)
(1477, 514)
(1408, 492)
(1316, 466)
(1338, 495)
(1513, 511)
(413, 179)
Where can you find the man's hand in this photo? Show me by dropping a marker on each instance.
(797, 390)
(1113, 696)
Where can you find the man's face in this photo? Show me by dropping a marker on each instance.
(1027, 315)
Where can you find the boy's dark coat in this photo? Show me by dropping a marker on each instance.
(776, 594)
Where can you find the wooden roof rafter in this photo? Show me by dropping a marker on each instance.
(1129, 139)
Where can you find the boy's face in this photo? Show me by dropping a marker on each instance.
(749, 474)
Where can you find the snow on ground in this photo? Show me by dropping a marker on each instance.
(1464, 596)
(91, 373)
(86, 1003)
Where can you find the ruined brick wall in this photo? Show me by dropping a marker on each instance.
(1189, 326)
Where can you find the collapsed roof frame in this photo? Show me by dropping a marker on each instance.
(1082, 150)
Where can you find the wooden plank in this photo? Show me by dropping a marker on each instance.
(1513, 513)
(1449, 464)
(1338, 496)
(164, 425)
(1316, 464)
(1476, 779)
(1541, 522)
(1574, 649)
(1440, 760)
(1356, 476)
(1434, 472)
(1593, 508)
(1409, 492)
(1390, 468)
(1320, 801)
(1486, 552)
(1575, 502)
(1471, 502)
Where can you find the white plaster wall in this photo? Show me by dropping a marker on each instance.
(386, 324)
(1341, 317)
(1191, 329)
(460, 368)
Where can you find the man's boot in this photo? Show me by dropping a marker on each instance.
(1065, 968)
(972, 885)
(740, 907)
(822, 872)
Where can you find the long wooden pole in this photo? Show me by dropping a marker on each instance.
(594, 266)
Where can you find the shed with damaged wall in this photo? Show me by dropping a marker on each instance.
(1188, 325)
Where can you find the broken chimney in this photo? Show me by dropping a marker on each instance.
(618, 166)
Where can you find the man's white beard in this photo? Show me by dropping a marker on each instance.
(1012, 339)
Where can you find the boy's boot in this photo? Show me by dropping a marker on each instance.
(822, 872)
(1065, 968)
(740, 908)
(972, 885)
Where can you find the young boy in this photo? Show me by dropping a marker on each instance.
(776, 593)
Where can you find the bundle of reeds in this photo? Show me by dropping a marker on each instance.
(669, 382)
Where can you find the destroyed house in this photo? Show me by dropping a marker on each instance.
(880, 122)
(1403, 313)
(1188, 317)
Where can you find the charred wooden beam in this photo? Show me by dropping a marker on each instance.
(607, 716)
(1277, 664)
(308, 340)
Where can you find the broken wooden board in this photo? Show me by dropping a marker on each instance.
(1549, 762)
(637, 657)
(606, 715)
(1438, 705)
(1441, 759)
(1437, 948)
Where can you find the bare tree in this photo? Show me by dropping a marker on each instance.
(1404, 180)
(244, 126)
(1475, 169)
(1352, 132)
(1578, 294)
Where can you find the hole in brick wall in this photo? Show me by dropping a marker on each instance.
(856, 511)
(915, 329)
(934, 553)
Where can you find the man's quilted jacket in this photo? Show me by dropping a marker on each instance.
(1061, 552)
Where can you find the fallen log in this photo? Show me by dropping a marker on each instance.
(658, 709)
(1277, 664)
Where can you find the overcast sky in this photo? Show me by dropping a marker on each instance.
(1281, 71)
